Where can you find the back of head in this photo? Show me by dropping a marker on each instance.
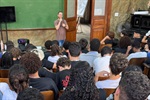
(7, 60)
(124, 42)
(66, 45)
(48, 44)
(118, 63)
(29, 47)
(106, 50)
(81, 84)
(9, 45)
(63, 61)
(55, 42)
(18, 78)
(83, 43)
(55, 50)
(134, 86)
(136, 44)
(94, 44)
(74, 49)
(30, 94)
(111, 34)
(31, 61)
(16, 52)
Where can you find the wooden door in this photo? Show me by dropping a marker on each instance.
(70, 14)
(100, 18)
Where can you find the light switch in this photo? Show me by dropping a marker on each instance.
(116, 14)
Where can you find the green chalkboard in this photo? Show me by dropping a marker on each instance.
(34, 13)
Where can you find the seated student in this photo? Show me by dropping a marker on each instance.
(93, 53)
(137, 51)
(66, 48)
(55, 54)
(9, 45)
(16, 53)
(48, 45)
(32, 62)
(83, 42)
(124, 42)
(30, 94)
(102, 63)
(133, 86)
(18, 79)
(145, 38)
(109, 38)
(81, 85)
(137, 36)
(6, 60)
(118, 63)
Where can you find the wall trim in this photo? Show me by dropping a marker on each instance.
(30, 29)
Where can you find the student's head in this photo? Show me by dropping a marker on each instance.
(111, 34)
(16, 52)
(55, 42)
(63, 63)
(123, 33)
(81, 84)
(125, 42)
(9, 45)
(7, 60)
(30, 94)
(137, 34)
(55, 50)
(118, 63)
(133, 86)
(48, 44)
(136, 45)
(39, 53)
(18, 78)
(94, 44)
(74, 49)
(66, 45)
(83, 43)
(29, 47)
(31, 61)
(106, 50)
(60, 14)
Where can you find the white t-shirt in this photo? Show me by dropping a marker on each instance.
(108, 83)
(8, 94)
(137, 55)
(101, 64)
(54, 58)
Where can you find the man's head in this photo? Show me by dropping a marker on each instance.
(30, 94)
(48, 44)
(66, 45)
(31, 61)
(60, 14)
(137, 34)
(74, 49)
(18, 78)
(136, 46)
(83, 42)
(134, 85)
(118, 63)
(106, 50)
(16, 52)
(94, 44)
(63, 63)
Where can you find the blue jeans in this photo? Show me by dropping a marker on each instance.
(61, 42)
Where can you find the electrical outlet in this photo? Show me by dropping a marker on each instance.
(116, 14)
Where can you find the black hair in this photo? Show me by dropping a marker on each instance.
(9, 45)
(29, 47)
(94, 45)
(63, 61)
(66, 45)
(106, 50)
(136, 44)
(124, 32)
(83, 43)
(74, 49)
(48, 44)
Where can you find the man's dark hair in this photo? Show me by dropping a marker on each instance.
(124, 32)
(66, 45)
(134, 85)
(124, 42)
(55, 42)
(83, 43)
(75, 49)
(30, 94)
(94, 45)
(118, 63)
(81, 84)
(31, 61)
(18, 78)
(63, 61)
(48, 44)
(136, 44)
(106, 50)
(29, 47)
(9, 45)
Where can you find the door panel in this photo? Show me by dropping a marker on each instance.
(100, 18)
(70, 14)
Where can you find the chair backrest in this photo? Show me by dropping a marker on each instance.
(4, 73)
(137, 61)
(6, 80)
(100, 76)
(48, 95)
(109, 91)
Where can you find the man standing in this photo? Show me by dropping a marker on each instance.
(61, 26)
